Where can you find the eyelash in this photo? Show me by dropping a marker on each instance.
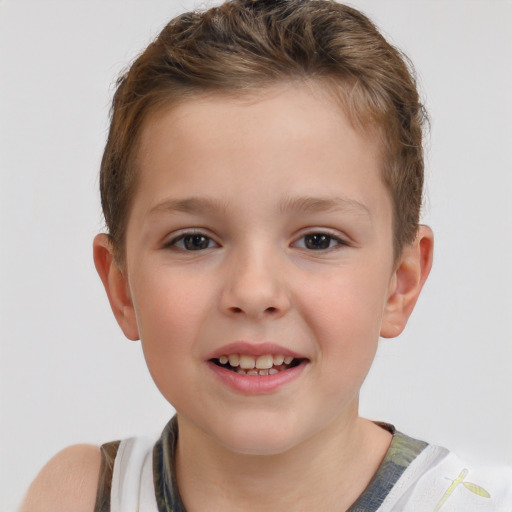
(199, 237)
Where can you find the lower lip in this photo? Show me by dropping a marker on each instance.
(256, 384)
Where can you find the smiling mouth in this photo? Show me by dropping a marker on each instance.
(262, 365)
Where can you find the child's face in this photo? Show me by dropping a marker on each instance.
(260, 226)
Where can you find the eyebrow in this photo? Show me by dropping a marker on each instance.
(305, 204)
(324, 204)
(204, 205)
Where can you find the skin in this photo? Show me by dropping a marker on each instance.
(67, 482)
(259, 178)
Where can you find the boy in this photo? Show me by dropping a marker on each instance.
(261, 185)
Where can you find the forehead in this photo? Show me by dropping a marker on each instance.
(306, 111)
(291, 136)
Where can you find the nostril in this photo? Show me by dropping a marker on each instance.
(236, 309)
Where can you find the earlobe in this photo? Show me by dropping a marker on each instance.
(116, 285)
(407, 281)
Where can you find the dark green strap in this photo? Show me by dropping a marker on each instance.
(402, 451)
(108, 456)
(166, 488)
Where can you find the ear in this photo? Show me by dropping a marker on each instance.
(407, 281)
(116, 285)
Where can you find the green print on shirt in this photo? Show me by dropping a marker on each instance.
(476, 489)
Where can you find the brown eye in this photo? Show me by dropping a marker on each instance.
(318, 242)
(196, 242)
(193, 242)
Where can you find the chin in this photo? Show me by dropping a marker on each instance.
(258, 437)
(260, 445)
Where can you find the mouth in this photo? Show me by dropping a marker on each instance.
(267, 364)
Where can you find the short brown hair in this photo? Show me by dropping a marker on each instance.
(245, 45)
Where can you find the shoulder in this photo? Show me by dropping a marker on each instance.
(68, 481)
(439, 478)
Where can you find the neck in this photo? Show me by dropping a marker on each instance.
(326, 472)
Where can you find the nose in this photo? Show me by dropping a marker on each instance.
(254, 286)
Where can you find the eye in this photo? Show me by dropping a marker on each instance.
(193, 242)
(318, 242)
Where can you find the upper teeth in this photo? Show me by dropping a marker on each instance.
(264, 362)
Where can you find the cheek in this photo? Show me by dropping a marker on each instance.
(347, 305)
(348, 338)
(168, 325)
(166, 300)
(170, 310)
(345, 314)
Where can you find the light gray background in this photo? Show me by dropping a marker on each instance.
(67, 374)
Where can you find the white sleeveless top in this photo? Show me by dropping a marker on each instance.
(132, 478)
(436, 480)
